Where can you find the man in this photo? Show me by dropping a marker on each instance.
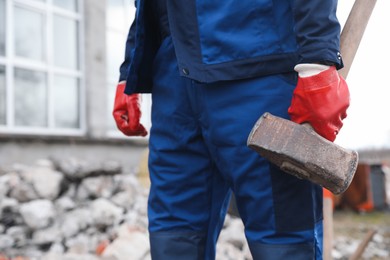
(213, 67)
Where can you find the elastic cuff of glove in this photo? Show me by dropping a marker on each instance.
(310, 69)
(328, 77)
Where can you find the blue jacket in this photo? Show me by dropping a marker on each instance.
(233, 39)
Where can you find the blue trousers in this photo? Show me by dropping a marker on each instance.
(198, 156)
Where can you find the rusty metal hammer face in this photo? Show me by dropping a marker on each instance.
(298, 150)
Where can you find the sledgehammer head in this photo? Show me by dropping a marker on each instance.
(300, 151)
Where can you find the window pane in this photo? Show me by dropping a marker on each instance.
(67, 4)
(29, 34)
(66, 102)
(2, 27)
(2, 96)
(30, 98)
(65, 42)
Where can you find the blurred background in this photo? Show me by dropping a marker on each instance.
(59, 63)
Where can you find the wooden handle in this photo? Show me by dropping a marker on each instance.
(353, 31)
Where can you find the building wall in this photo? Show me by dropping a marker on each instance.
(130, 155)
(95, 68)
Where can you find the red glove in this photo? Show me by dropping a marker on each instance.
(127, 112)
(322, 101)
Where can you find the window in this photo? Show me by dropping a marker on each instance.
(29, 34)
(40, 71)
(70, 5)
(30, 95)
(65, 42)
(120, 15)
(66, 88)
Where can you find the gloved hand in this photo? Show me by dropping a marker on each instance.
(321, 98)
(127, 112)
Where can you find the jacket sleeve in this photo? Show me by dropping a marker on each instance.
(317, 31)
(130, 43)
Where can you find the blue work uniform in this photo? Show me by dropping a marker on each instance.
(213, 67)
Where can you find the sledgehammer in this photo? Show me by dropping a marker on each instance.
(297, 149)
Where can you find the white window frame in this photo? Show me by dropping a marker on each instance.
(11, 61)
(112, 81)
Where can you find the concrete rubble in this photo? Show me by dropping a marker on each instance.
(70, 210)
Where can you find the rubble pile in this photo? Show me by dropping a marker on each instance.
(72, 210)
